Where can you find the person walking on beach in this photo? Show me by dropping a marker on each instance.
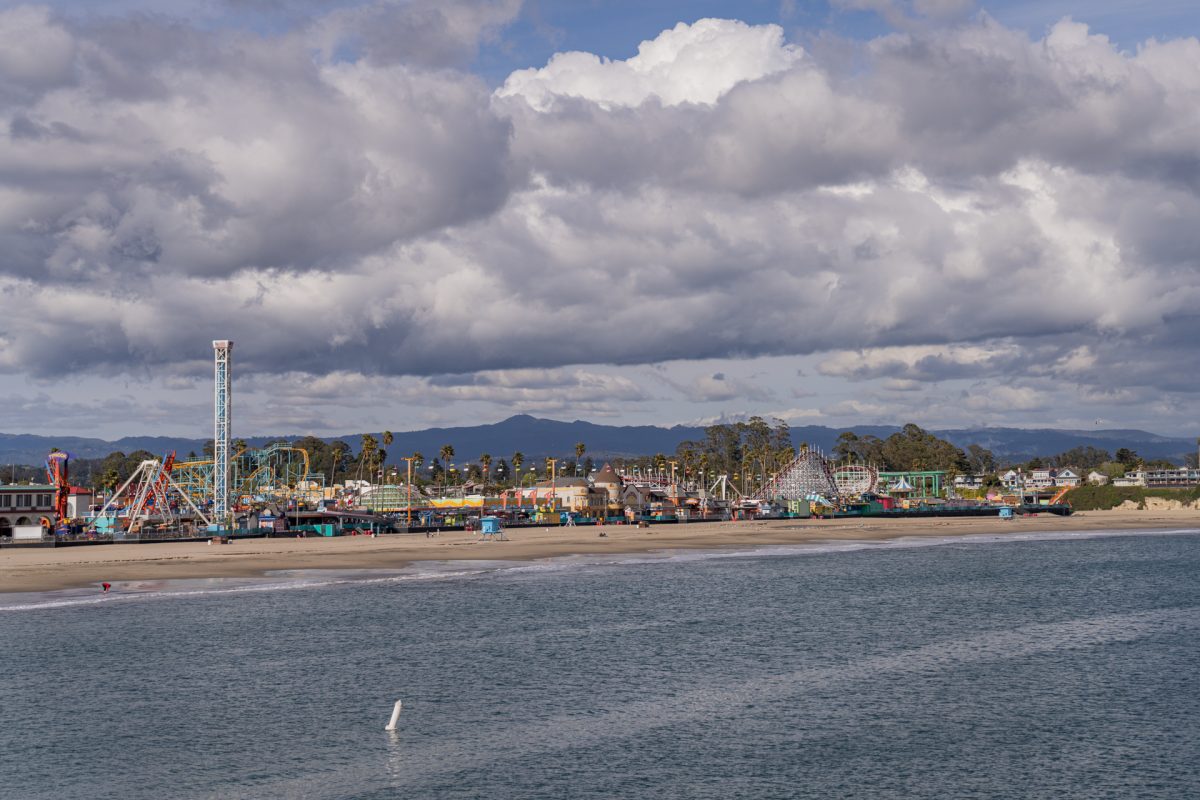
(106, 586)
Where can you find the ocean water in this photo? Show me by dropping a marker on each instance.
(1057, 667)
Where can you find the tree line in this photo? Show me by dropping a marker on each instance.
(749, 453)
(338, 461)
(915, 449)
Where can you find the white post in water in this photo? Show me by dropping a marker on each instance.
(391, 726)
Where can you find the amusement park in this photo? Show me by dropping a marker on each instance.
(238, 491)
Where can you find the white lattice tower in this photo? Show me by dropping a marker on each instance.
(222, 411)
(806, 475)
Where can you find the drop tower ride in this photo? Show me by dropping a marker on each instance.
(222, 352)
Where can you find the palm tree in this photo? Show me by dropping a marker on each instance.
(517, 460)
(387, 442)
(485, 461)
(688, 456)
(335, 458)
(366, 458)
(447, 453)
(660, 463)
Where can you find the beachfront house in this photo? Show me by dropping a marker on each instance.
(968, 481)
(1097, 478)
(1135, 478)
(1035, 479)
(1012, 480)
(1066, 477)
(1040, 479)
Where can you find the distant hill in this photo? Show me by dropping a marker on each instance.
(542, 437)
(25, 448)
(1020, 444)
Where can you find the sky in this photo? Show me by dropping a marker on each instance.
(444, 212)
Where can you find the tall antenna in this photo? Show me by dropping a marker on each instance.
(222, 351)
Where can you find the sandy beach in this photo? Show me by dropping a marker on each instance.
(41, 569)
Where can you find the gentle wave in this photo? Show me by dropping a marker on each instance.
(414, 763)
(39, 601)
(291, 580)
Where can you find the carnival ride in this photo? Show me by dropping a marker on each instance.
(164, 492)
(646, 478)
(195, 479)
(148, 497)
(807, 475)
(811, 476)
(58, 472)
(278, 474)
(685, 482)
(855, 480)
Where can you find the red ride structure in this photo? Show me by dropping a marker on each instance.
(156, 497)
(58, 471)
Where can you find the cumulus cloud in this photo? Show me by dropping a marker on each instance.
(343, 198)
(695, 63)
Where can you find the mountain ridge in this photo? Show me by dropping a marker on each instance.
(538, 437)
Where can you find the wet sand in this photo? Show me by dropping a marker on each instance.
(41, 569)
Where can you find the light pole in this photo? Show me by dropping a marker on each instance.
(409, 459)
(553, 487)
